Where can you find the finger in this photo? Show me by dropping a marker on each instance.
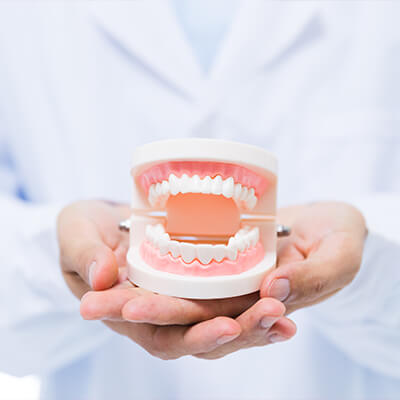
(284, 329)
(83, 251)
(94, 262)
(330, 265)
(256, 324)
(77, 286)
(108, 304)
(177, 341)
(164, 310)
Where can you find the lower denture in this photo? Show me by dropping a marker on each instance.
(167, 263)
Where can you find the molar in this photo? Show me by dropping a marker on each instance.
(175, 249)
(237, 191)
(232, 249)
(254, 236)
(163, 244)
(243, 195)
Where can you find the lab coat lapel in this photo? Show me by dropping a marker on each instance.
(262, 33)
(148, 32)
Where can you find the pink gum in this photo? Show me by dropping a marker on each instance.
(240, 174)
(167, 263)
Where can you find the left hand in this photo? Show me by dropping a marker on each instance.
(321, 256)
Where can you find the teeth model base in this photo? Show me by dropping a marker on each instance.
(200, 189)
(242, 252)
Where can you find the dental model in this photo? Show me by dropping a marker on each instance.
(203, 223)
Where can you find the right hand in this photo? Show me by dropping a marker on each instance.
(92, 255)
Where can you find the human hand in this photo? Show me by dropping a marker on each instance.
(92, 255)
(321, 256)
(147, 318)
(91, 247)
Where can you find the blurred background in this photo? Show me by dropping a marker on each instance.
(12, 388)
(324, 99)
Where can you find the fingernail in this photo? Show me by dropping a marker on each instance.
(226, 339)
(92, 273)
(279, 289)
(267, 322)
(275, 338)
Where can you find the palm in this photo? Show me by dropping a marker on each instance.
(323, 253)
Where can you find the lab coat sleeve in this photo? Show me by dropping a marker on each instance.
(363, 319)
(40, 325)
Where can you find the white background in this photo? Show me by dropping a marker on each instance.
(12, 388)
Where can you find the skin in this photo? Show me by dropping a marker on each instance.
(92, 258)
(322, 255)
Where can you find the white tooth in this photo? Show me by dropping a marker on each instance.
(239, 233)
(156, 240)
(157, 193)
(188, 252)
(174, 184)
(152, 194)
(163, 244)
(206, 184)
(185, 184)
(204, 253)
(243, 195)
(159, 228)
(149, 233)
(227, 187)
(239, 241)
(165, 188)
(195, 184)
(232, 249)
(251, 202)
(164, 193)
(246, 240)
(174, 247)
(216, 187)
(237, 191)
(219, 251)
(254, 234)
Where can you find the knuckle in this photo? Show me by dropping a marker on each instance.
(157, 352)
(161, 348)
(209, 356)
(161, 355)
(319, 287)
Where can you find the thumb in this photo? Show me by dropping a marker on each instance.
(82, 252)
(323, 272)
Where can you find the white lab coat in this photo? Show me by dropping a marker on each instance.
(83, 83)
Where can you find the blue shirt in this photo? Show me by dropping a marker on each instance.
(205, 24)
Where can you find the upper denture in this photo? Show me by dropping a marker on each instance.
(229, 180)
(238, 173)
